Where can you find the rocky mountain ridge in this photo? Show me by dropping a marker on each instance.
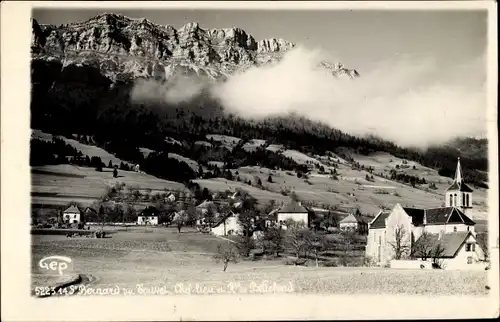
(123, 48)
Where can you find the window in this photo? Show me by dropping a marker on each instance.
(468, 247)
(467, 200)
(473, 247)
(463, 199)
(455, 229)
(451, 200)
(454, 199)
(75, 221)
(469, 260)
(468, 228)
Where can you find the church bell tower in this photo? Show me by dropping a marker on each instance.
(459, 195)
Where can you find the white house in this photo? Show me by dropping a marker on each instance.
(458, 250)
(170, 197)
(448, 227)
(228, 225)
(72, 215)
(354, 223)
(148, 216)
(293, 210)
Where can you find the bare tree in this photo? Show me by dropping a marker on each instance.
(273, 239)
(246, 219)
(482, 241)
(226, 253)
(437, 255)
(316, 243)
(423, 246)
(348, 239)
(210, 214)
(296, 237)
(180, 219)
(428, 247)
(400, 245)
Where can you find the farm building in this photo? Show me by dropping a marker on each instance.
(293, 210)
(148, 216)
(354, 223)
(447, 228)
(72, 215)
(228, 225)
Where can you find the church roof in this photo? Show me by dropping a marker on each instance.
(458, 182)
(438, 216)
(459, 187)
(379, 221)
(416, 214)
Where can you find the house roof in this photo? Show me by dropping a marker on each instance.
(204, 204)
(379, 221)
(90, 209)
(72, 209)
(224, 218)
(293, 207)
(149, 211)
(462, 187)
(352, 218)
(450, 242)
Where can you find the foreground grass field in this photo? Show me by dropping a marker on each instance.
(182, 263)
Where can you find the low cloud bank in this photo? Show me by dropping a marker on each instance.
(410, 101)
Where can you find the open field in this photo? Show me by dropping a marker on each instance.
(191, 163)
(227, 141)
(182, 263)
(50, 184)
(90, 150)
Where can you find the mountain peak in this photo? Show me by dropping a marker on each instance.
(127, 48)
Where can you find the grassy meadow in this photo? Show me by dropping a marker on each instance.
(182, 263)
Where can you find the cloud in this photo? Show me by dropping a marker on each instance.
(410, 101)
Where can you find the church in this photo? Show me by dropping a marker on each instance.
(451, 227)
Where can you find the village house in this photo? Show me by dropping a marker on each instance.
(449, 228)
(170, 197)
(227, 225)
(355, 223)
(293, 210)
(148, 216)
(72, 215)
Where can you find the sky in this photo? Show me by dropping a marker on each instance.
(358, 38)
(422, 72)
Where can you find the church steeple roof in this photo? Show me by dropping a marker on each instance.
(458, 184)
